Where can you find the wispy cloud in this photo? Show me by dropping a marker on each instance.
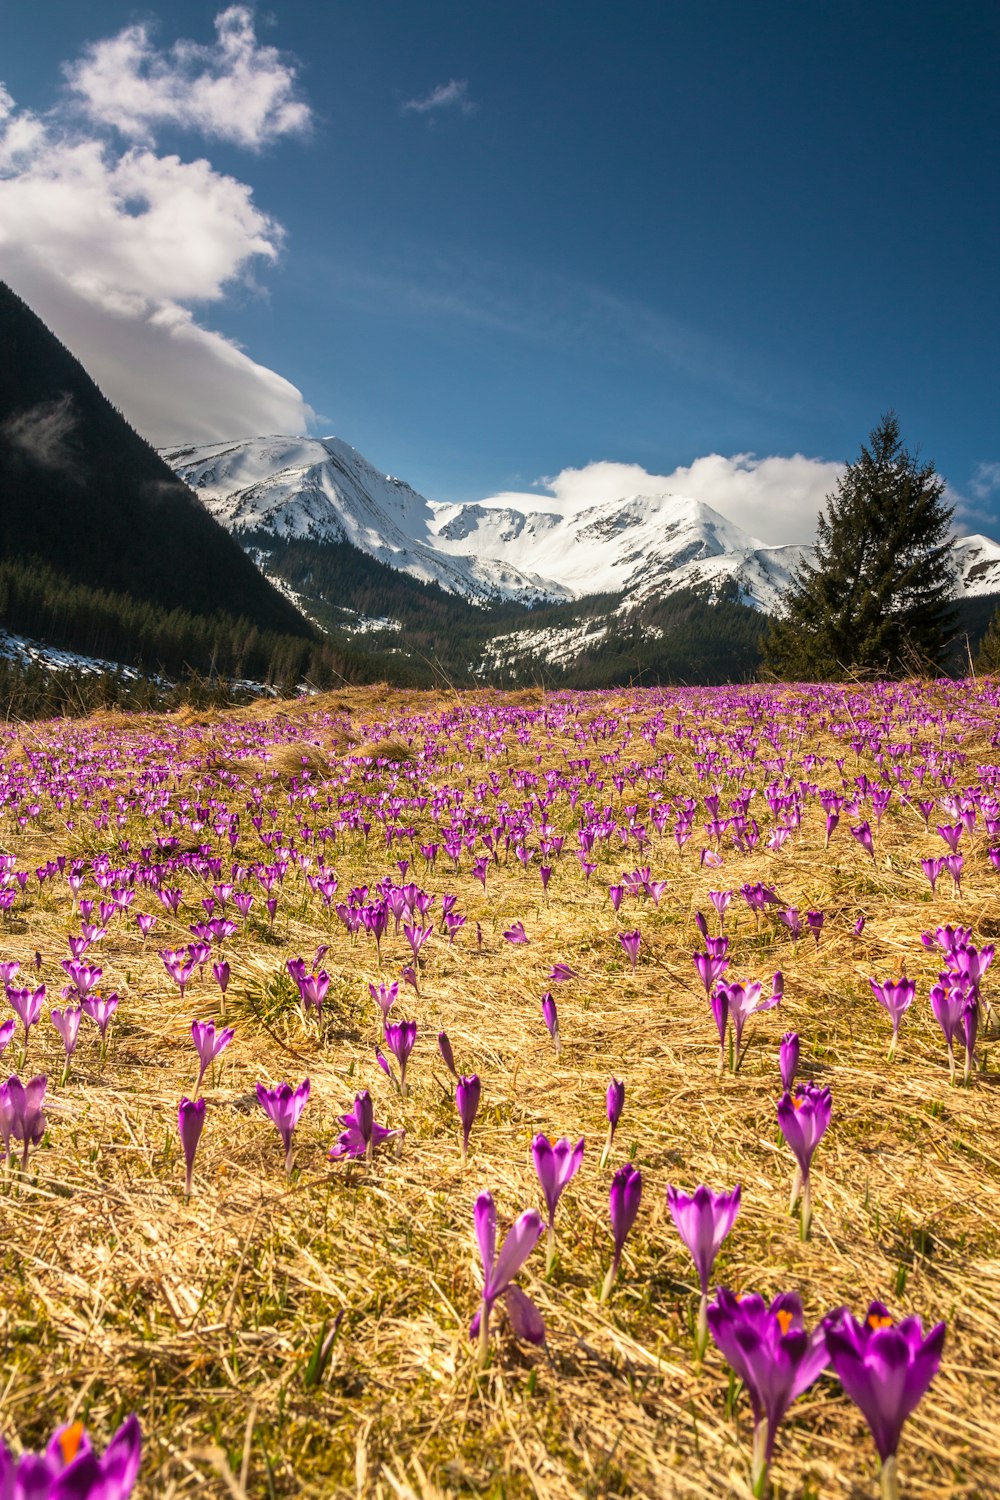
(985, 481)
(115, 243)
(551, 310)
(451, 95)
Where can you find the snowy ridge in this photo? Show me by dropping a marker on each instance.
(637, 547)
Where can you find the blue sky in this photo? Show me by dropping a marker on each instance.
(489, 244)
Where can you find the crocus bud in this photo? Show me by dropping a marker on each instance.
(468, 1092)
(788, 1059)
(444, 1047)
(550, 1015)
(615, 1103)
(190, 1120)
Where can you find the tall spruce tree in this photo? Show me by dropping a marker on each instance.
(877, 598)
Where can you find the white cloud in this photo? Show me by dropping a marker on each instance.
(234, 90)
(115, 248)
(451, 95)
(985, 481)
(774, 499)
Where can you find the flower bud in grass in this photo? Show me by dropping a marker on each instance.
(190, 1120)
(788, 1059)
(444, 1047)
(550, 1016)
(7, 1031)
(615, 1105)
(468, 1092)
(885, 1369)
(625, 1197)
(400, 1039)
(703, 1221)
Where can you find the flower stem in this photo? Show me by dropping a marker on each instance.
(807, 1210)
(609, 1281)
(758, 1479)
(890, 1479)
(484, 1335)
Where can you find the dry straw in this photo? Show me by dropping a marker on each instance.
(203, 1315)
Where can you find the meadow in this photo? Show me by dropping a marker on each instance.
(581, 891)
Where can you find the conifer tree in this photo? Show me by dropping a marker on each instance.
(877, 598)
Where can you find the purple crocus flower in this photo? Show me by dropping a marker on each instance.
(896, 997)
(949, 999)
(22, 1105)
(631, 942)
(27, 1005)
(556, 1163)
(208, 1044)
(703, 1221)
(7, 1031)
(775, 1357)
(788, 1059)
(719, 1003)
(400, 1039)
(560, 973)
(863, 834)
(190, 1120)
(970, 1031)
(100, 1009)
(444, 1047)
(222, 973)
(745, 1000)
(615, 1105)
(885, 1369)
(516, 934)
(69, 1469)
(710, 967)
(499, 1272)
(626, 1195)
(814, 921)
(67, 1023)
(550, 1016)
(284, 1105)
(468, 1092)
(362, 1133)
(804, 1118)
(385, 997)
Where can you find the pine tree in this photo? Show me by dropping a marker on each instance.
(877, 598)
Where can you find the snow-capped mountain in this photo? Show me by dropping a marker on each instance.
(321, 489)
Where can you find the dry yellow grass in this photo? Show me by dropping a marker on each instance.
(119, 1295)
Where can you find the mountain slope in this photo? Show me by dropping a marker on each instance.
(82, 491)
(321, 492)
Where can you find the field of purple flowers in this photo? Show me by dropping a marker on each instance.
(408, 1095)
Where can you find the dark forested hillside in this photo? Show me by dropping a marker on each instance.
(84, 492)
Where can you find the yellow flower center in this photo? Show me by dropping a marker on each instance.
(70, 1440)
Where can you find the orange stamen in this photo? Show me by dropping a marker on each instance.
(784, 1318)
(875, 1322)
(70, 1440)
